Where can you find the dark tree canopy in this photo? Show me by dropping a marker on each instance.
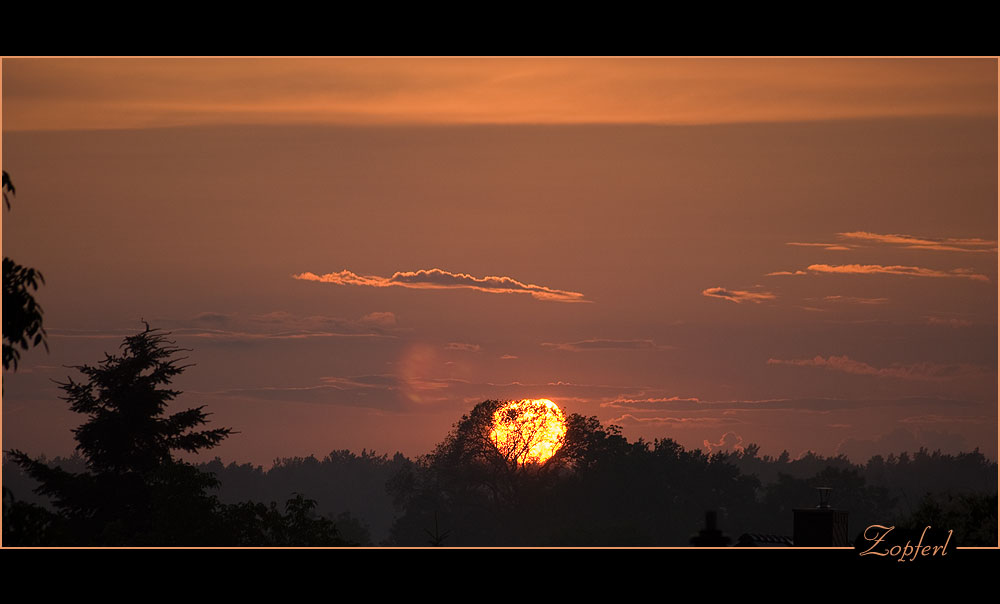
(22, 316)
(8, 187)
(123, 395)
(136, 491)
(467, 492)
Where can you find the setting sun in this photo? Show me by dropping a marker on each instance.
(529, 430)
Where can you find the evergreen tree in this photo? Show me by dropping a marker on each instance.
(135, 491)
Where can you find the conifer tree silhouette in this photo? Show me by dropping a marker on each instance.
(135, 491)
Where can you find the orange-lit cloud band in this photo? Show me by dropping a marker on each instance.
(827, 246)
(436, 278)
(910, 271)
(738, 296)
(923, 243)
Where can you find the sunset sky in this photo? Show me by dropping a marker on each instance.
(798, 253)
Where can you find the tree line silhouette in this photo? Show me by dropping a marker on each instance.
(125, 487)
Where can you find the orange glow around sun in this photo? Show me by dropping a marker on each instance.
(528, 431)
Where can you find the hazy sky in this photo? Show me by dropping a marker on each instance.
(800, 253)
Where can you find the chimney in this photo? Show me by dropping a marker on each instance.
(710, 536)
(821, 526)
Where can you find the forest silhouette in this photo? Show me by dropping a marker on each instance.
(125, 486)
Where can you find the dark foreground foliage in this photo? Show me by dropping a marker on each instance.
(601, 490)
(135, 492)
(22, 315)
(126, 487)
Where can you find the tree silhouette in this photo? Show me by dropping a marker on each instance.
(253, 523)
(469, 491)
(972, 516)
(8, 186)
(22, 316)
(135, 491)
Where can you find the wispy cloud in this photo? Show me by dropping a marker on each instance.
(678, 405)
(244, 333)
(599, 344)
(385, 392)
(90, 334)
(378, 381)
(436, 278)
(217, 318)
(787, 273)
(909, 271)
(401, 390)
(839, 247)
(916, 371)
(285, 325)
(856, 300)
(463, 347)
(933, 418)
(385, 319)
(242, 336)
(730, 441)
(277, 325)
(738, 296)
(651, 403)
(628, 418)
(969, 244)
(948, 321)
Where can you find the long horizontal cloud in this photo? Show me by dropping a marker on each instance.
(910, 271)
(827, 246)
(463, 346)
(436, 278)
(949, 321)
(110, 93)
(944, 419)
(815, 405)
(652, 403)
(916, 371)
(585, 345)
(791, 273)
(377, 391)
(389, 391)
(278, 325)
(628, 418)
(971, 244)
(856, 300)
(738, 296)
